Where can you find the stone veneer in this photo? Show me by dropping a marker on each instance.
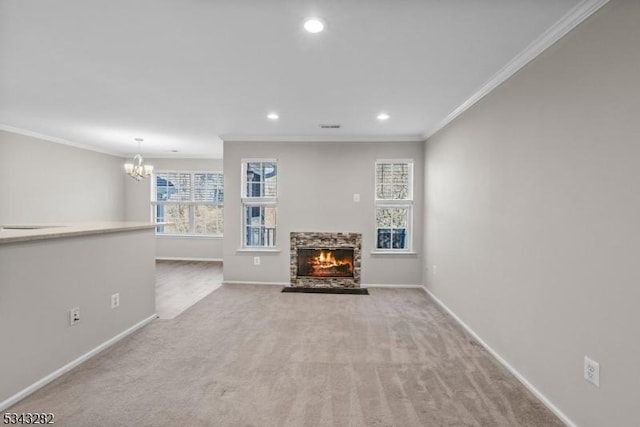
(326, 240)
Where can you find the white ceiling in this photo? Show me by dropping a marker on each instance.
(183, 74)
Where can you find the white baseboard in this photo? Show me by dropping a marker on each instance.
(69, 366)
(553, 408)
(188, 259)
(246, 282)
(372, 285)
(383, 285)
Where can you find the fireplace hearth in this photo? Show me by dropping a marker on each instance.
(325, 260)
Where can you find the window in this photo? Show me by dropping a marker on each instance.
(191, 201)
(393, 204)
(259, 191)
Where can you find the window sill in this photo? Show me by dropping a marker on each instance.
(377, 252)
(245, 250)
(189, 236)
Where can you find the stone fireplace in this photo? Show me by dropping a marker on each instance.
(325, 260)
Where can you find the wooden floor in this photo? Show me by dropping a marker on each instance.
(181, 284)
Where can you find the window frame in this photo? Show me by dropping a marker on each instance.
(407, 203)
(262, 202)
(192, 203)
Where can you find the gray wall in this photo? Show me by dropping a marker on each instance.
(316, 183)
(41, 281)
(533, 218)
(46, 182)
(138, 208)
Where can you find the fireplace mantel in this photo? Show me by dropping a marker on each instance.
(306, 240)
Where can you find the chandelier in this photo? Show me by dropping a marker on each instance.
(137, 169)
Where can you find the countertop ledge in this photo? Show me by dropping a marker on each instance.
(31, 232)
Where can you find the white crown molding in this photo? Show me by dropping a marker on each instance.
(575, 16)
(57, 140)
(174, 156)
(321, 138)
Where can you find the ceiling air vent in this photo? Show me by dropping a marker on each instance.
(330, 126)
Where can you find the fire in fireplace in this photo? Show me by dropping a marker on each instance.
(325, 262)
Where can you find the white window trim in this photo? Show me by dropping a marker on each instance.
(393, 161)
(258, 249)
(256, 201)
(394, 203)
(394, 252)
(192, 212)
(409, 247)
(243, 174)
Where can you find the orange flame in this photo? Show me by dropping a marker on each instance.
(327, 260)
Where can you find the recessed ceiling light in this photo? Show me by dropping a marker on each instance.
(273, 116)
(314, 25)
(383, 116)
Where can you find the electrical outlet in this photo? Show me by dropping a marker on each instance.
(115, 300)
(356, 197)
(592, 371)
(256, 260)
(435, 269)
(74, 316)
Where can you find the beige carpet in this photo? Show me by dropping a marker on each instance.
(252, 356)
